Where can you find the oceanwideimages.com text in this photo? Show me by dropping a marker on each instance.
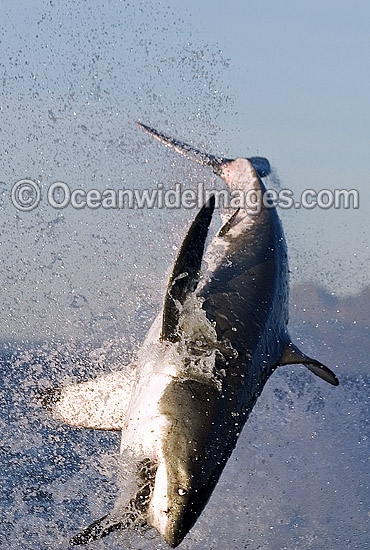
(26, 195)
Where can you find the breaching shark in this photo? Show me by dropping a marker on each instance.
(221, 334)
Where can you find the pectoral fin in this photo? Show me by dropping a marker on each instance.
(121, 518)
(100, 403)
(292, 355)
(97, 530)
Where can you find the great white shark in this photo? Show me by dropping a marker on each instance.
(222, 333)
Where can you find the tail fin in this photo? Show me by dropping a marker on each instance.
(261, 166)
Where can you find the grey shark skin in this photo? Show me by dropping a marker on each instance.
(205, 361)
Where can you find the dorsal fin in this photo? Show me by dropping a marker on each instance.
(225, 228)
(292, 355)
(185, 274)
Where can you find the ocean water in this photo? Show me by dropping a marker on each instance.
(88, 282)
(298, 478)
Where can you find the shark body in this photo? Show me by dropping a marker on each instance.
(222, 333)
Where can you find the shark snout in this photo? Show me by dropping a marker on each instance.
(184, 509)
(177, 512)
(187, 471)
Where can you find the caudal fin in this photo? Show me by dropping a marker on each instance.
(260, 164)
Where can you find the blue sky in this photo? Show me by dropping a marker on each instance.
(286, 80)
(289, 80)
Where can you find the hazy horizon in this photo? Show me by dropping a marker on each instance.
(287, 81)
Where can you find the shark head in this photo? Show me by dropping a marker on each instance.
(187, 470)
(183, 494)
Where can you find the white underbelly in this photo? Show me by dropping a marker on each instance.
(158, 365)
(145, 426)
